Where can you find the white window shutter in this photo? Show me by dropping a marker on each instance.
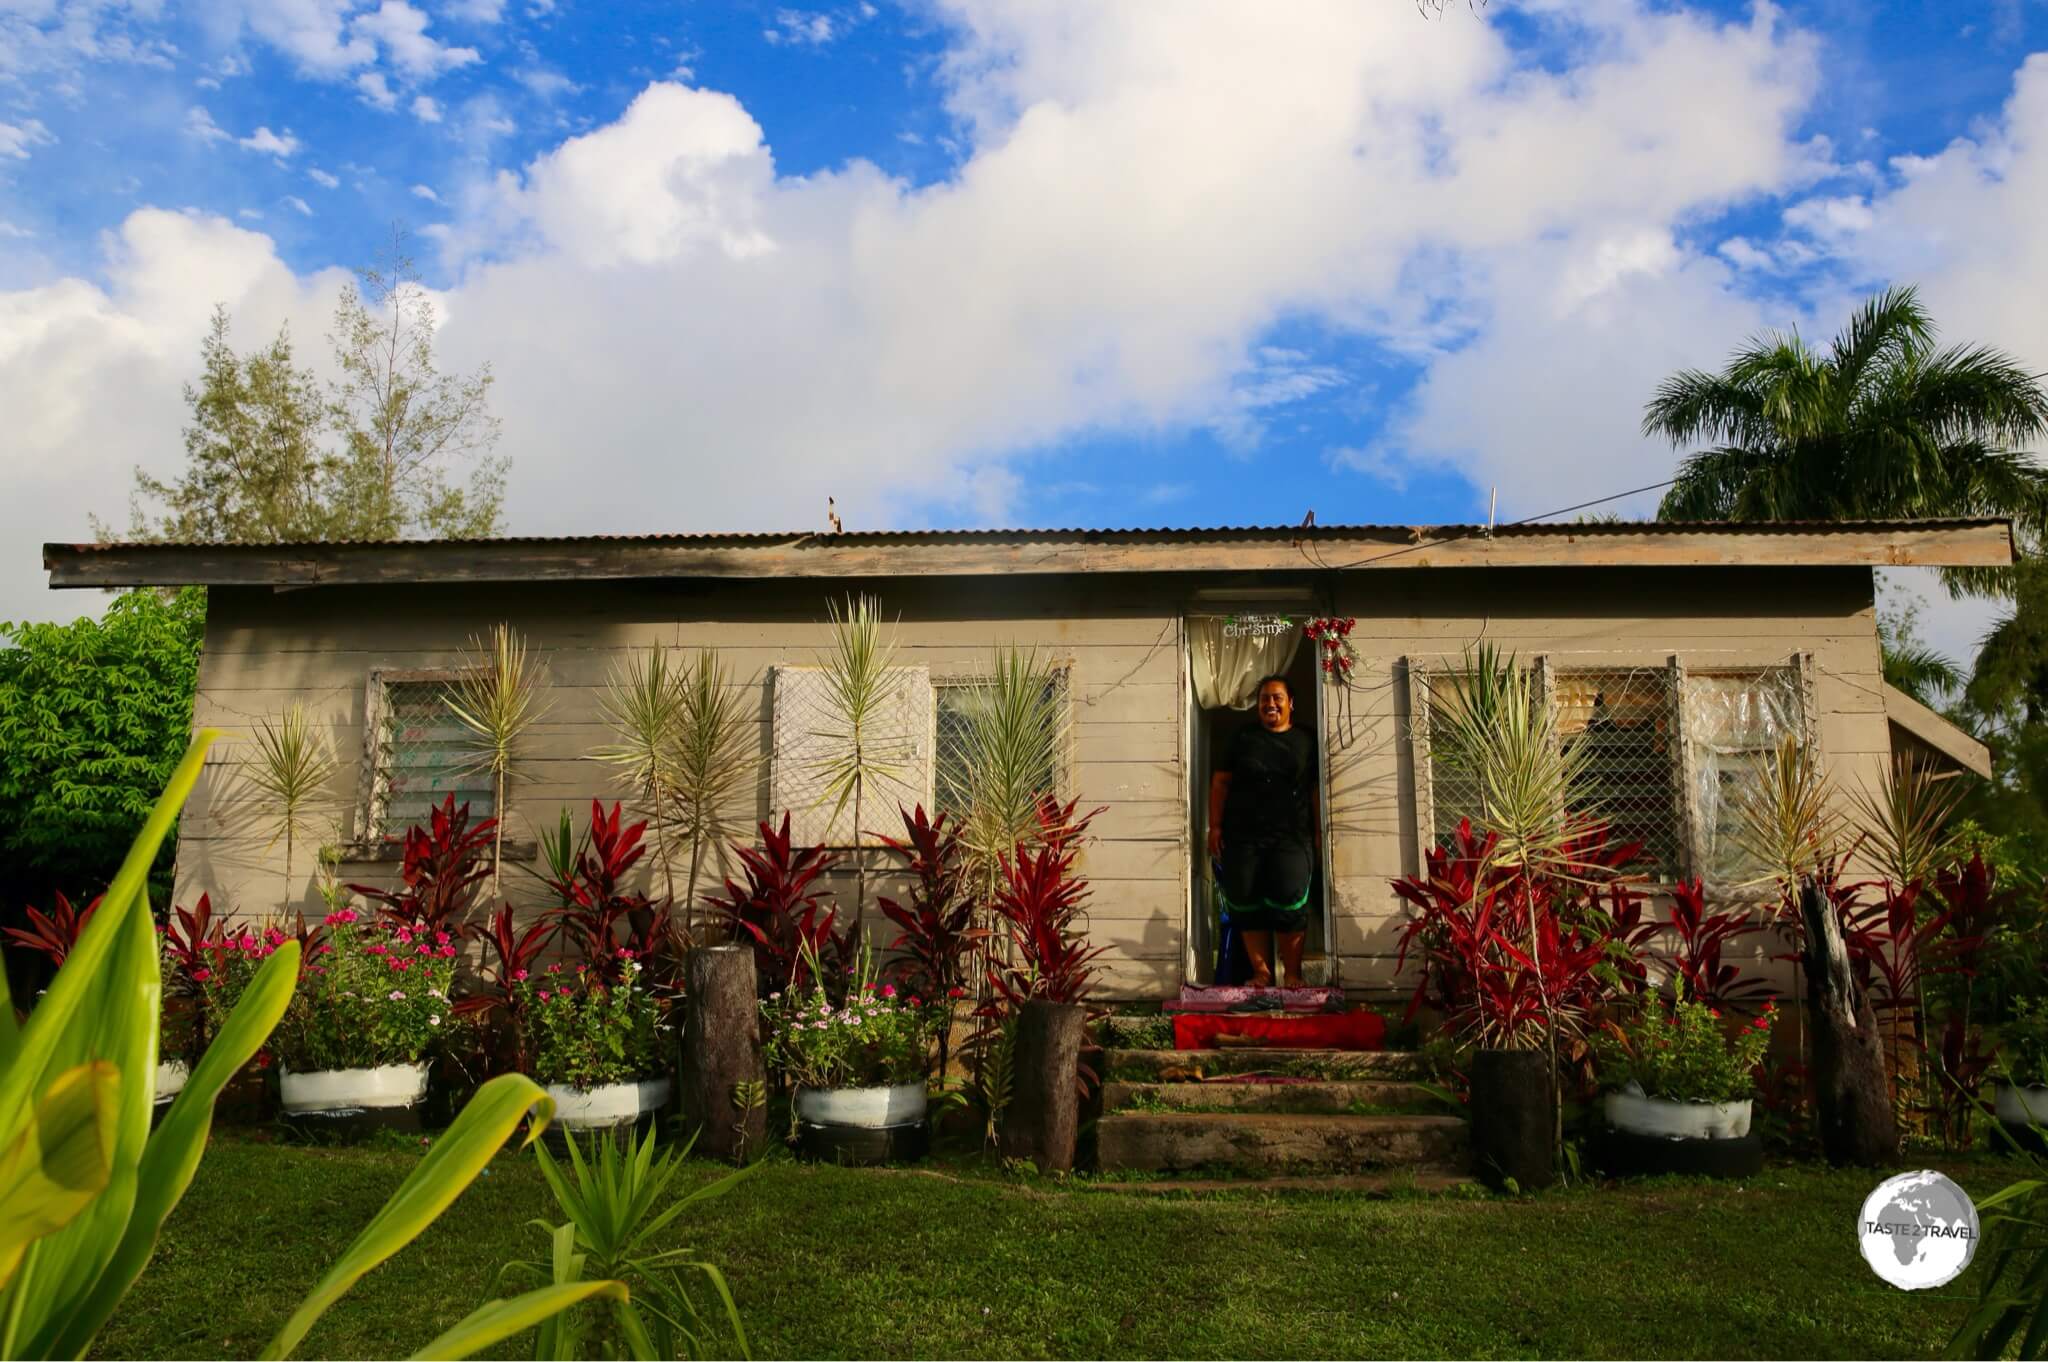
(809, 738)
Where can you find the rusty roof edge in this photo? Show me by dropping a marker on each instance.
(795, 538)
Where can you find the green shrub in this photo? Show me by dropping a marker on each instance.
(1683, 1053)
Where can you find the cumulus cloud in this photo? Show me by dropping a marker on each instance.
(401, 31)
(420, 191)
(685, 338)
(426, 109)
(322, 178)
(297, 205)
(268, 143)
(199, 123)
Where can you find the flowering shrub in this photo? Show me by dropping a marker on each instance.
(223, 963)
(878, 1037)
(583, 1032)
(1684, 1053)
(370, 994)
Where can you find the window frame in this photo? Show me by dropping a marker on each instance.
(1062, 670)
(368, 840)
(1420, 675)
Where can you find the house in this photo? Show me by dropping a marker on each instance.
(1680, 653)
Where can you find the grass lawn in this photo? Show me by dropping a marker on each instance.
(966, 1261)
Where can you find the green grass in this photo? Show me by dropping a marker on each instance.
(962, 1260)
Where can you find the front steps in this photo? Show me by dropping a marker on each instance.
(1267, 1112)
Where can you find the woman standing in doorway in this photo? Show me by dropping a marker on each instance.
(1263, 824)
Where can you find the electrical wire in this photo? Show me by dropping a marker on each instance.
(1433, 543)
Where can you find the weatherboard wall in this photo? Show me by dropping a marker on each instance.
(1120, 635)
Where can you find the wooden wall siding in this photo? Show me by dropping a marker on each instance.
(1120, 636)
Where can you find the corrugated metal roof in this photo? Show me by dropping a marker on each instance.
(1195, 532)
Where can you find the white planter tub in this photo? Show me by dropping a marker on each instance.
(1661, 1118)
(344, 1090)
(613, 1104)
(2023, 1105)
(170, 1078)
(862, 1108)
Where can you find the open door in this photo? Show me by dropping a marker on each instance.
(1210, 728)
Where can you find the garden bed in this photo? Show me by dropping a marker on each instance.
(830, 1262)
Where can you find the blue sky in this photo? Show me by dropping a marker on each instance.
(986, 261)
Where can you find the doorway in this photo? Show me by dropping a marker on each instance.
(1210, 730)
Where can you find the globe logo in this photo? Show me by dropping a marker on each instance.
(1918, 1230)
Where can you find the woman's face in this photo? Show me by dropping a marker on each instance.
(1276, 707)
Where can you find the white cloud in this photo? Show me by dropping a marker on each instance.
(426, 109)
(268, 143)
(15, 232)
(475, 11)
(545, 84)
(1143, 194)
(322, 178)
(420, 191)
(18, 139)
(297, 205)
(401, 31)
(807, 30)
(199, 123)
(376, 91)
(310, 33)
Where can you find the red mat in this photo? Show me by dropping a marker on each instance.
(1360, 1030)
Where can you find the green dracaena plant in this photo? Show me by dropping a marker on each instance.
(86, 1185)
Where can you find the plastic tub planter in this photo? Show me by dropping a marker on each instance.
(345, 1100)
(1661, 1135)
(863, 1125)
(2022, 1104)
(170, 1079)
(609, 1106)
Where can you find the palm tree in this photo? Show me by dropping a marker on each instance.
(1880, 426)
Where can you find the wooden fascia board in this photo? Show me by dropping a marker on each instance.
(824, 556)
(1938, 733)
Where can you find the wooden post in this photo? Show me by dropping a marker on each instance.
(723, 1082)
(1044, 1115)
(1855, 1110)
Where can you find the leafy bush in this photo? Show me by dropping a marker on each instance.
(1683, 1053)
(371, 994)
(94, 715)
(438, 877)
(779, 909)
(878, 1036)
(583, 1032)
(2023, 1041)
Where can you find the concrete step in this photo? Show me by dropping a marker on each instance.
(1262, 1141)
(1179, 1066)
(1322, 1095)
(1424, 1178)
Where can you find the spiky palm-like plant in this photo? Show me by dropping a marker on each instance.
(1787, 821)
(291, 770)
(642, 704)
(1880, 425)
(1012, 744)
(712, 757)
(497, 699)
(1905, 822)
(858, 689)
(1489, 723)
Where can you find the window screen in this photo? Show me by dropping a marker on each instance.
(419, 760)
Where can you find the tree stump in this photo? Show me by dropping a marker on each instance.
(724, 1086)
(1043, 1118)
(1514, 1119)
(1854, 1104)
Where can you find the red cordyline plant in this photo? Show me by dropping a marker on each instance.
(1501, 949)
(937, 931)
(54, 934)
(1698, 939)
(1038, 905)
(599, 916)
(510, 955)
(780, 913)
(443, 863)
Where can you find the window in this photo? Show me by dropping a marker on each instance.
(953, 702)
(415, 756)
(1733, 724)
(809, 738)
(1623, 723)
(1637, 774)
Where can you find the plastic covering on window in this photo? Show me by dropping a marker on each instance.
(1733, 724)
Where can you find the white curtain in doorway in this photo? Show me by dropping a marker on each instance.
(1230, 656)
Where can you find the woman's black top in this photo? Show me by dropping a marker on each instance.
(1272, 776)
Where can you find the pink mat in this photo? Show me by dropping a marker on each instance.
(1196, 999)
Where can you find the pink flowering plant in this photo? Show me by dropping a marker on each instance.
(583, 1032)
(879, 1036)
(371, 994)
(1684, 1051)
(222, 963)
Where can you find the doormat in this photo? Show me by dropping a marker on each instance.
(1226, 998)
(1360, 1030)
